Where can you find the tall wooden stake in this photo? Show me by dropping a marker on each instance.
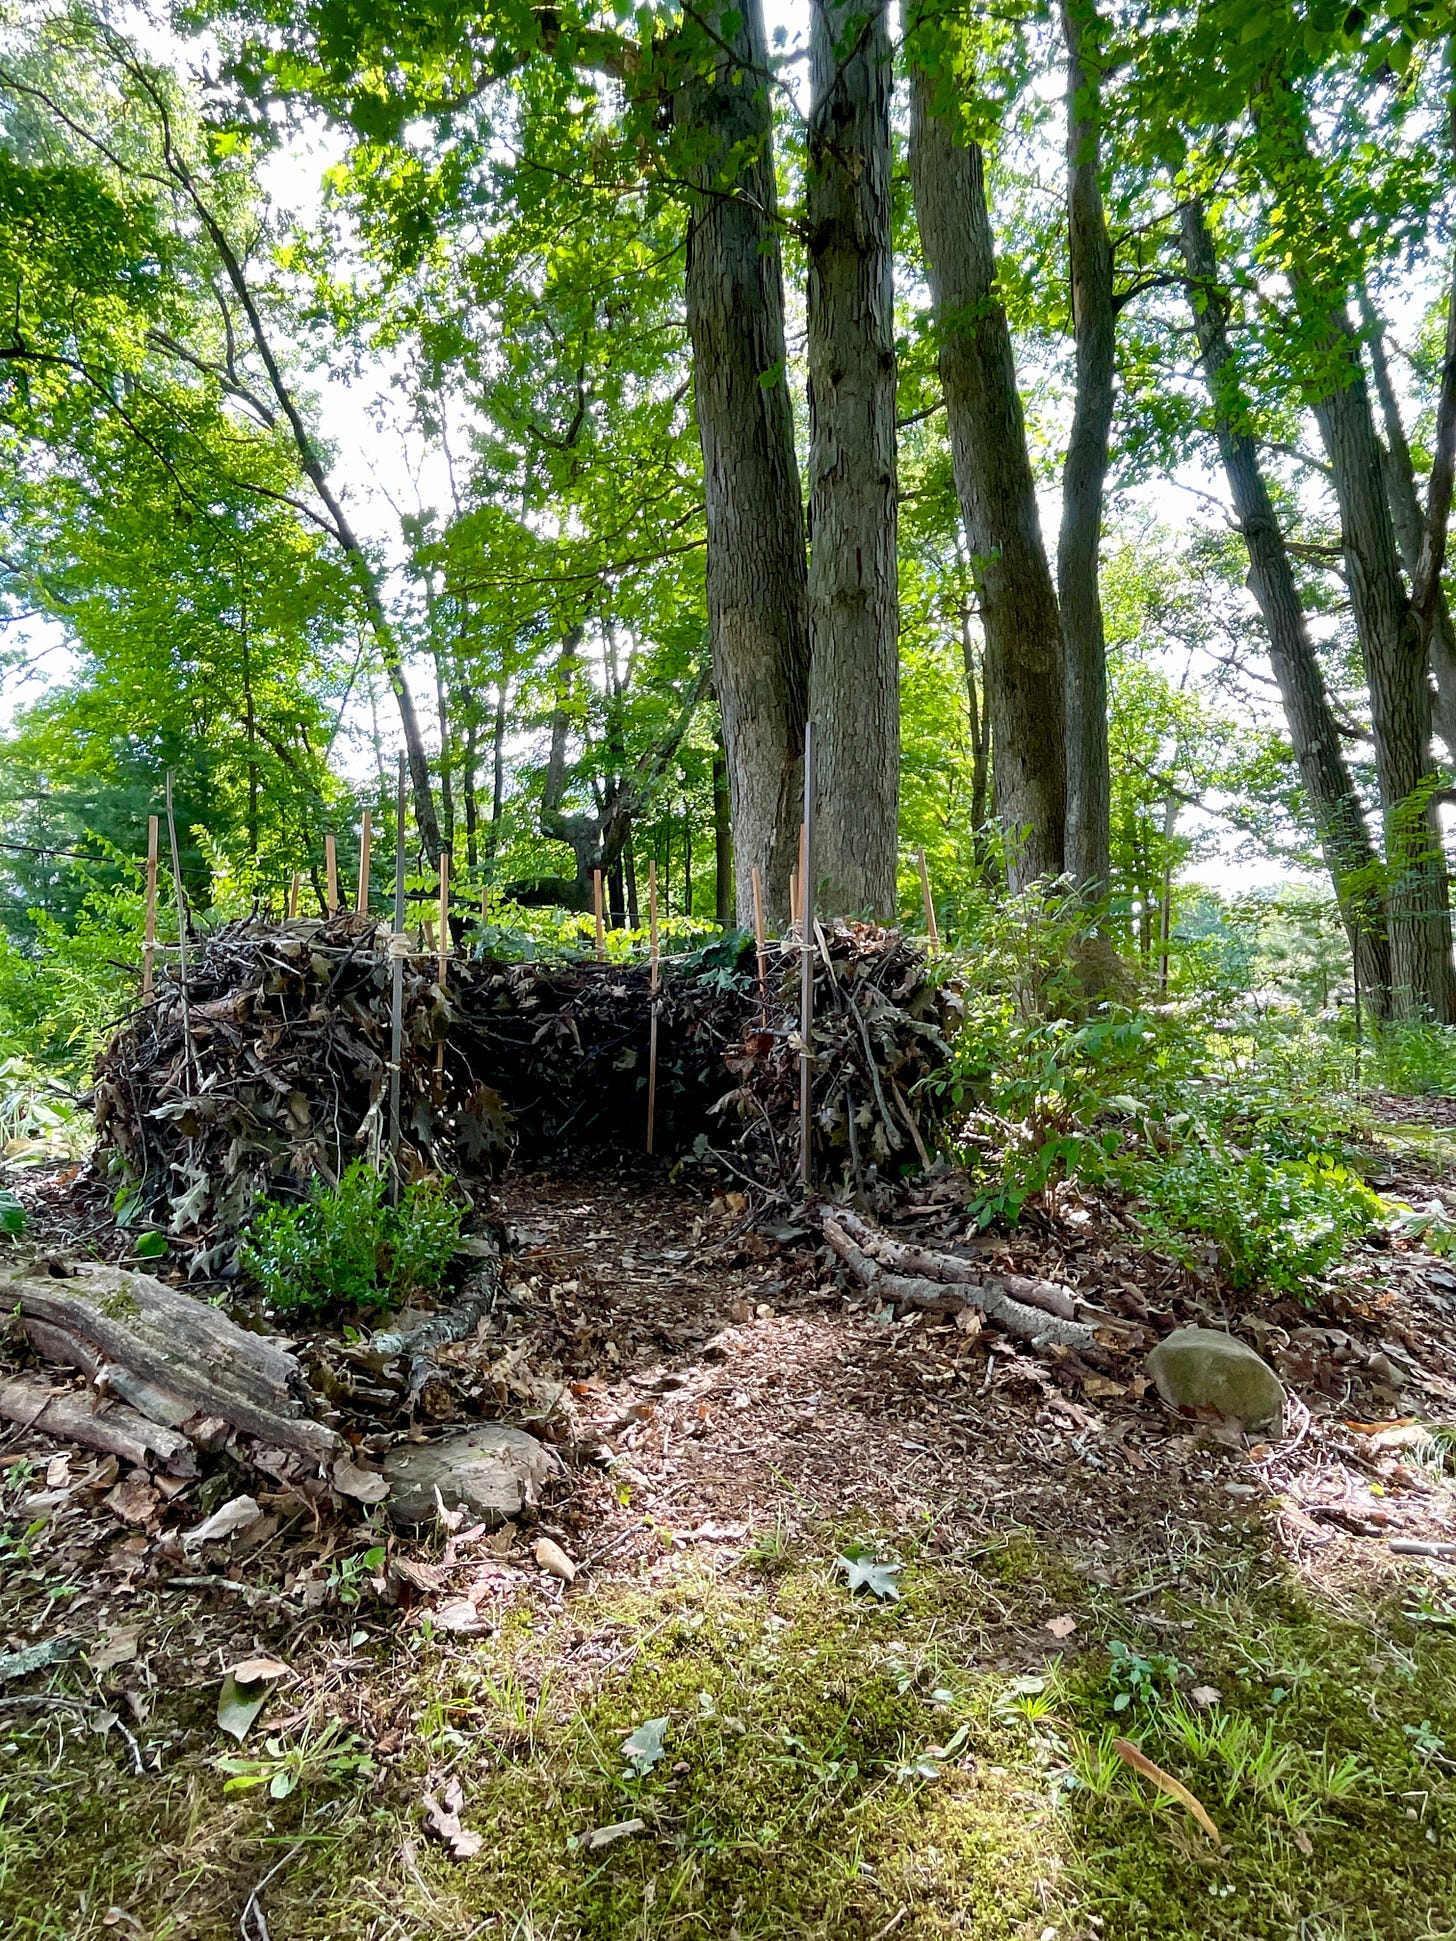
(806, 967)
(397, 954)
(293, 893)
(758, 933)
(932, 928)
(149, 948)
(331, 875)
(181, 931)
(366, 856)
(597, 906)
(793, 899)
(443, 960)
(652, 1028)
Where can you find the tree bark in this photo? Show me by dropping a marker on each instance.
(1339, 815)
(1084, 472)
(753, 504)
(853, 603)
(1405, 511)
(1024, 681)
(1391, 639)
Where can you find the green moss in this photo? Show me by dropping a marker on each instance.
(802, 1789)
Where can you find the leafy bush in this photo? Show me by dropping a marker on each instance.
(1277, 1223)
(1415, 1060)
(345, 1247)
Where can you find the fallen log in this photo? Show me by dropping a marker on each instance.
(113, 1428)
(903, 1256)
(1031, 1324)
(428, 1386)
(164, 1350)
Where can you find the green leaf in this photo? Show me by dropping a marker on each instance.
(238, 1706)
(151, 1246)
(643, 1748)
(12, 1214)
(867, 1573)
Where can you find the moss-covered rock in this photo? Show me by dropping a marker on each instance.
(1203, 1368)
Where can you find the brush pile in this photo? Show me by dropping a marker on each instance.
(272, 1068)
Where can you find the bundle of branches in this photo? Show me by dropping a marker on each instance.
(268, 1066)
(880, 1026)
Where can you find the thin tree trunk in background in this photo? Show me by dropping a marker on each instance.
(1339, 816)
(447, 778)
(722, 838)
(498, 770)
(853, 604)
(629, 854)
(1391, 643)
(978, 722)
(1084, 473)
(687, 859)
(753, 505)
(1024, 675)
(1165, 895)
(468, 780)
(1405, 510)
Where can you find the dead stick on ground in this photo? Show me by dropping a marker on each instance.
(331, 874)
(1165, 1782)
(366, 846)
(932, 929)
(652, 1028)
(758, 934)
(597, 906)
(443, 960)
(1031, 1324)
(904, 1257)
(149, 948)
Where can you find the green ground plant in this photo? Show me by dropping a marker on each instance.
(346, 1247)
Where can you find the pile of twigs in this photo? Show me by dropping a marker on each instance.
(269, 1065)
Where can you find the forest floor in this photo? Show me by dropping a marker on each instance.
(709, 1733)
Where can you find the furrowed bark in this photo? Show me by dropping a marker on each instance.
(1024, 677)
(853, 601)
(1339, 815)
(1391, 640)
(756, 576)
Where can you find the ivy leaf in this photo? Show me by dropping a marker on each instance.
(643, 1748)
(866, 1573)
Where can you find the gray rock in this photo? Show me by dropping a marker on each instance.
(491, 1472)
(1203, 1368)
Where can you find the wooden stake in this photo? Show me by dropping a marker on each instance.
(932, 928)
(191, 1054)
(793, 899)
(597, 905)
(149, 948)
(806, 967)
(652, 1035)
(758, 933)
(366, 850)
(396, 995)
(293, 891)
(443, 960)
(331, 875)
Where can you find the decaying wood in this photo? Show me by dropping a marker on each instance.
(906, 1258)
(911, 1290)
(112, 1428)
(131, 1331)
(428, 1384)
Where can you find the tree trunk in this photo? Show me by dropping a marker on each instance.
(722, 838)
(498, 771)
(1391, 642)
(754, 509)
(979, 724)
(854, 696)
(1024, 686)
(1084, 473)
(1405, 510)
(1339, 815)
(447, 779)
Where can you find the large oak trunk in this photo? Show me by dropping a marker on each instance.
(755, 518)
(1019, 616)
(1338, 813)
(853, 601)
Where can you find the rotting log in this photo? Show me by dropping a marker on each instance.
(428, 1386)
(904, 1257)
(112, 1427)
(164, 1350)
(913, 1290)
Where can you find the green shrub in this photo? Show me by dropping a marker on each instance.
(345, 1247)
(1414, 1060)
(1278, 1223)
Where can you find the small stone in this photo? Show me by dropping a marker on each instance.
(553, 1559)
(1204, 1368)
(492, 1471)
